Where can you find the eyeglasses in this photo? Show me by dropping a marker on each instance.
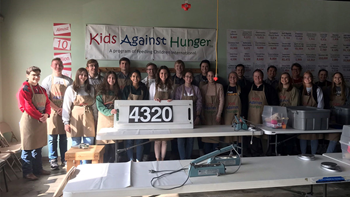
(150, 69)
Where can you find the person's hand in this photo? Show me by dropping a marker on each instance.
(218, 120)
(197, 121)
(169, 100)
(157, 99)
(43, 118)
(67, 128)
(59, 111)
(113, 111)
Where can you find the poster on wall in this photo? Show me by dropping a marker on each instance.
(61, 29)
(61, 44)
(258, 49)
(108, 42)
(65, 57)
(67, 71)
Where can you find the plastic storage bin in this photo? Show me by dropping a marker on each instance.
(308, 118)
(274, 116)
(345, 142)
(341, 114)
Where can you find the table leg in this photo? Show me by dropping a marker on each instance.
(94, 161)
(69, 164)
(101, 159)
(4, 173)
(116, 151)
(76, 163)
(276, 152)
(242, 146)
(325, 190)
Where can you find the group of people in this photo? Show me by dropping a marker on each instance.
(78, 109)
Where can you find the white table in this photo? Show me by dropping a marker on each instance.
(338, 157)
(256, 172)
(275, 132)
(200, 131)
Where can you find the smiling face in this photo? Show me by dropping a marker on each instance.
(258, 78)
(204, 68)
(124, 66)
(232, 78)
(163, 75)
(188, 78)
(33, 77)
(83, 77)
(92, 68)
(151, 71)
(57, 66)
(322, 76)
(307, 79)
(210, 77)
(284, 79)
(179, 68)
(295, 72)
(111, 79)
(337, 79)
(135, 78)
(271, 73)
(240, 71)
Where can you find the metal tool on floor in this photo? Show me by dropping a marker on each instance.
(215, 165)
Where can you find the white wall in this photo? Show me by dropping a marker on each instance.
(26, 33)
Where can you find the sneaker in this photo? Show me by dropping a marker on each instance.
(54, 164)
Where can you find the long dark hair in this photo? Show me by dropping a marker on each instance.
(168, 81)
(312, 81)
(280, 85)
(343, 87)
(104, 86)
(76, 82)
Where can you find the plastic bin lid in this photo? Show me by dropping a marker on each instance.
(342, 107)
(307, 108)
(345, 143)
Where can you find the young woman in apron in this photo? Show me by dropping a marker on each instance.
(288, 96)
(161, 90)
(339, 97)
(79, 110)
(107, 94)
(213, 104)
(232, 105)
(311, 95)
(35, 107)
(188, 91)
(136, 91)
(56, 85)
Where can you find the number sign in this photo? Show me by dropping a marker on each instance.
(150, 114)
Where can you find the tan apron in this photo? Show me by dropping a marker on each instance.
(337, 101)
(308, 100)
(209, 112)
(285, 97)
(232, 107)
(106, 121)
(193, 98)
(257, 101)
(202, 83)
(82, 122)
(55, 124)
(124, 82)
(33, 132)
(162, 95)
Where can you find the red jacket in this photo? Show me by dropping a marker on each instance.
(24, 97)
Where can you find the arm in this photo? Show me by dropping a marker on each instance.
(152, 91)
(101, 107)
(67, 104)
(320, 100)
(26, 97)
(220, 93)
(47, 105)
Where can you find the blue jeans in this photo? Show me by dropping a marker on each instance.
(331, 146)
(139, 149)
(52, 146)
(303, 146)
(185, 146)
(87, 140)
(209, 147)
(31, 161)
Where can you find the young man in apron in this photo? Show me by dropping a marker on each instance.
(260, 94)
(271, 77)
(55, 86)
(297, 80)
(123, 77)
(35, 107)
(95, 79)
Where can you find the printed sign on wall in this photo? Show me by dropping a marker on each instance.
(148, 43)
(62, 44)
(65, 57)
(61, 29)
(67, 71)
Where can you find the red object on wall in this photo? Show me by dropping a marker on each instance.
(186, 6)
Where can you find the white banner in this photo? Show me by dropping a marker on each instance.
(149, 43)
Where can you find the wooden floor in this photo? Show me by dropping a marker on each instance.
(47, 185)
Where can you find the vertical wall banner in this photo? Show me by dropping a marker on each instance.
(62, 44)
(148, 43)
(65, 57)
(61, 29)
(67, 71)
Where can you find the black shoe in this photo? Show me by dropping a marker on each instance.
(63, 164)
(54, 164)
